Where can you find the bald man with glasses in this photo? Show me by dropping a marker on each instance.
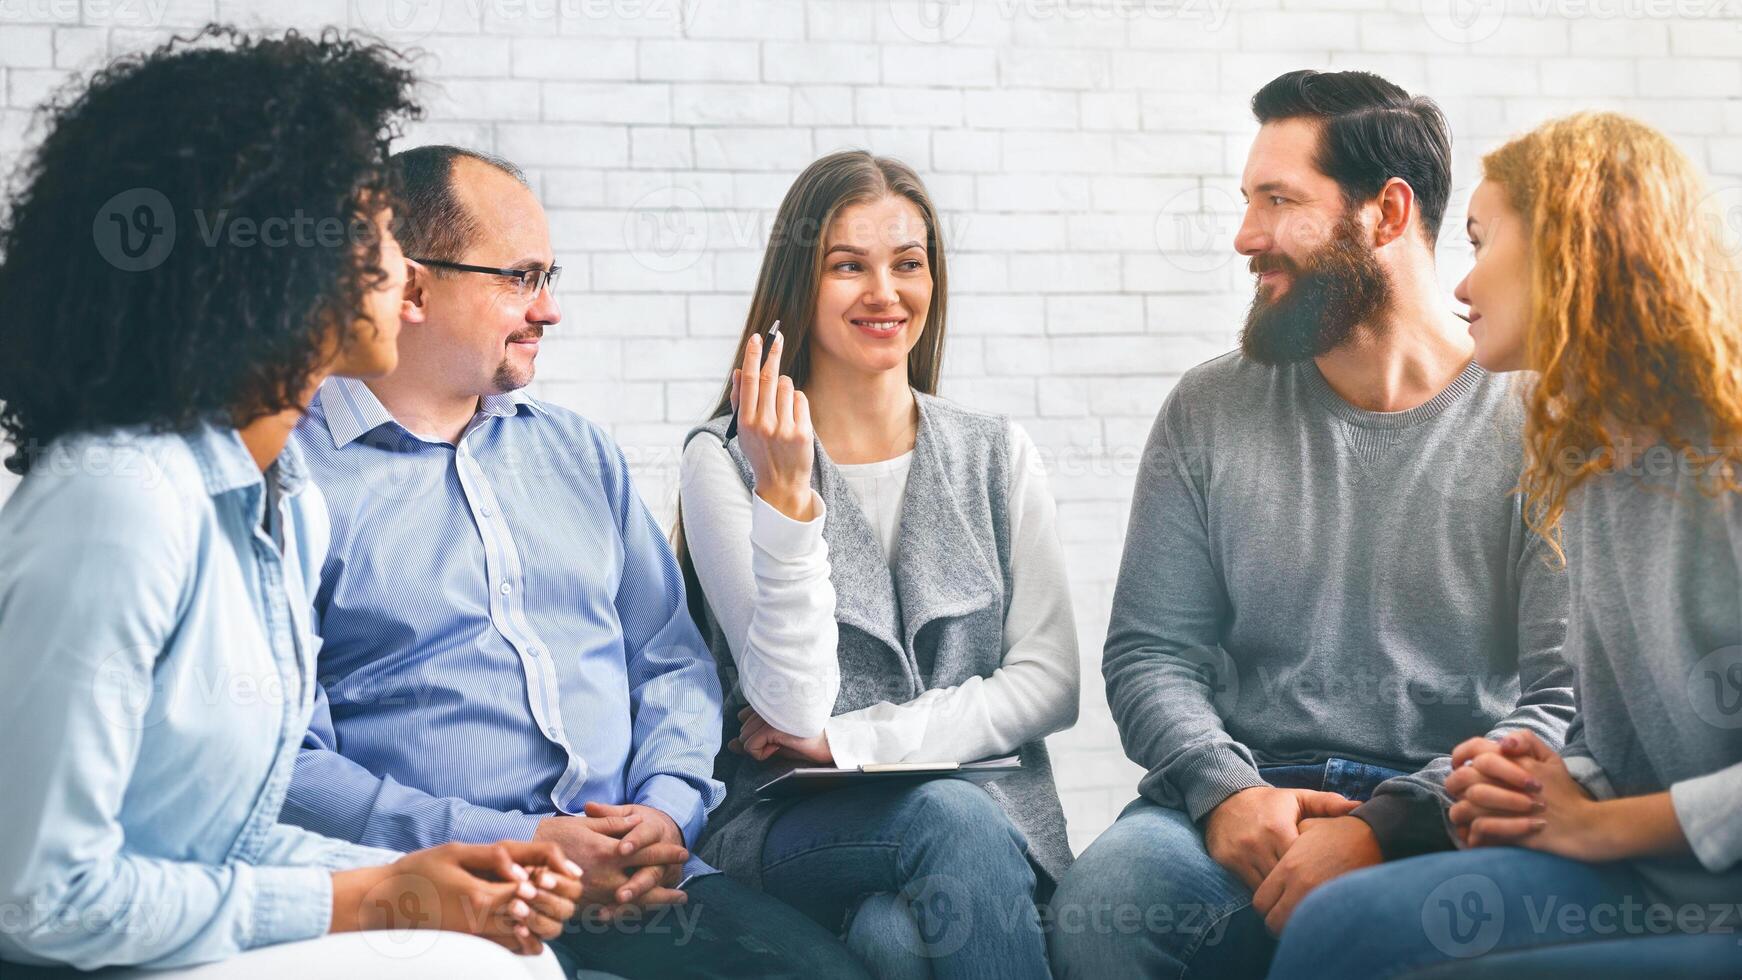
(506, 648)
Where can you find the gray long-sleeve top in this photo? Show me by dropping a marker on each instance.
(1655, 566)
(1303, 579)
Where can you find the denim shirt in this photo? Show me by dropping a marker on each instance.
(156, 665)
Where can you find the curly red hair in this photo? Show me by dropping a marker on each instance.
(1634, 307)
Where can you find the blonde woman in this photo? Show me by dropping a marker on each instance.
(1595, 268)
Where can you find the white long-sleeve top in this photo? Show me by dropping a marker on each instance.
(766, 577)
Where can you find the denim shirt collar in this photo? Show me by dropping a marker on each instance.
(352, 411)
(226, 464)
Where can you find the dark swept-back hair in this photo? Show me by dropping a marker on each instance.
(432, 223)
(186, 148)
(1371, 130)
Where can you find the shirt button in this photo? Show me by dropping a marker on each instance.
(484, 511)
(532, 652)
(506, 588)
(555, 731)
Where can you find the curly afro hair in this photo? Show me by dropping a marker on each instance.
(194, 232)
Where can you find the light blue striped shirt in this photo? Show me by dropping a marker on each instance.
(156, 653)
(506, 636)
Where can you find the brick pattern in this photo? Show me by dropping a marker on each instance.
(1084, 152)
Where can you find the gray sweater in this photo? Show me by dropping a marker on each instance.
(1303, 580)
(1656, 640)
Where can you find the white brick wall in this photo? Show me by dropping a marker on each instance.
(1084, 152)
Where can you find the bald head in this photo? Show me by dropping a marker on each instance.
(438, 218)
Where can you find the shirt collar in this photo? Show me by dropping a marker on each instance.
(226, 464)
(352, 411)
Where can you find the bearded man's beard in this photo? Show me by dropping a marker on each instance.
(1339, 289)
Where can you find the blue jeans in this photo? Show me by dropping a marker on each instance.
(934, 876)
(1497, 912)
(1146, 899)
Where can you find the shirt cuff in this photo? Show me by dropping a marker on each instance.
(781, 537)
(1588, 774)
(1406, 824)
(1210, 775)
(1705, 806)
(482, 825)
(678, 800)
(290, 903)
(349, 856)
(852, 744)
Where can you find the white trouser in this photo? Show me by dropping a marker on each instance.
(393, 954)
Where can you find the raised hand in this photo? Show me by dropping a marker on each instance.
(774, 431)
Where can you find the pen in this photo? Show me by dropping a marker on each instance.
(767, 347)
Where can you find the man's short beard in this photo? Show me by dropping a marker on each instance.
(507, 380)
(1339, 289)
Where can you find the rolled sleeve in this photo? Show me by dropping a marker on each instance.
(289, 903)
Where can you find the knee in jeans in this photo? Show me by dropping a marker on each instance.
(956, 818)
(1335, 907)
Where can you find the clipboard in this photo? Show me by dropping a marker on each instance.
(805, 781)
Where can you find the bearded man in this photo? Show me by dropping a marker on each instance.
(1327, 582)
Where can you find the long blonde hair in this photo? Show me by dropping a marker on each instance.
(1633, 310)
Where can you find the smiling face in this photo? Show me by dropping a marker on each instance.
(874, 290)
(1497, 290)
(1319, 279)
(479, 334)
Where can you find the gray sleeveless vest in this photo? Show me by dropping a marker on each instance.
(935, 621)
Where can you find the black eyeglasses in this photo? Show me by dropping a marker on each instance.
(531, 281)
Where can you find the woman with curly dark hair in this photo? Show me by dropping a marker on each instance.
(200, 239)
